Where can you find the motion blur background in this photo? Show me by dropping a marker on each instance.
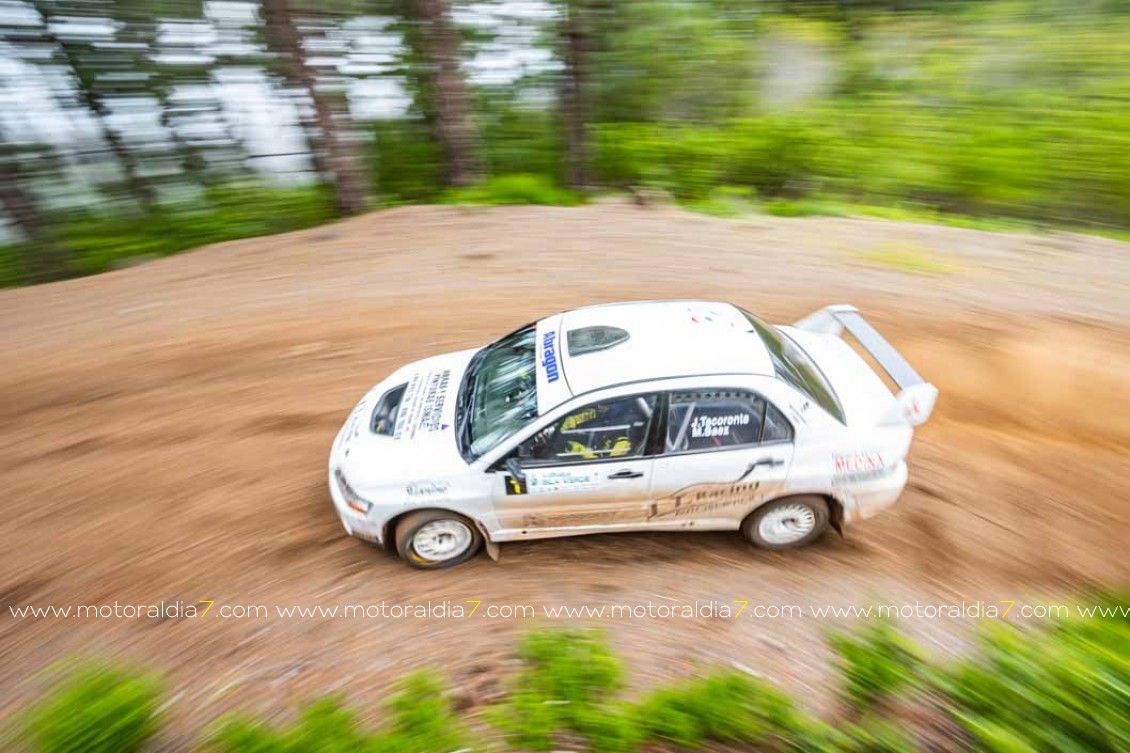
(143, 127)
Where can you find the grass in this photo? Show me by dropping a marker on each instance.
(906, 259)
(92, 242)
(730, 202)
(726, 202)
(517, 188)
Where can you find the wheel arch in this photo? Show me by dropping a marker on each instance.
(388, 530)
(835, 508)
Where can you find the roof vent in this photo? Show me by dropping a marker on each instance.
(592, 339)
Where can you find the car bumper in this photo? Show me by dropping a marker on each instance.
(358, 524)
(866, 499)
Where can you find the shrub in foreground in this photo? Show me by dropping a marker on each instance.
(726, 706)
(1065, 689)
(875, 662)
(96, 710)
(419, 720)
(567, 684)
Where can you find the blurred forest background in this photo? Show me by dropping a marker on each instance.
(138, 128)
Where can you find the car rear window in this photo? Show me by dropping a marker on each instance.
(794, 366)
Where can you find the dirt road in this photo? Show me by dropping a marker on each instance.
(164, 431)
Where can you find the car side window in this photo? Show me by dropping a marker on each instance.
(614, 428)
(777, 427)
(701, 420)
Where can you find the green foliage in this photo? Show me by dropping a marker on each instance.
(724, 201)
(1064, 690)
(806, 207)
(968, 113)
(520, 140)
(875, 662)
(514, 189)
(671, 61)
(420, 720)
(984, 111)
(567, 683)
(873, 735)
(687, 161)
(726, 707)
(98, 242)
(406, 161)
(96, 710)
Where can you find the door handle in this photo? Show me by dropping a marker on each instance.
(761, 461)
(625, 474)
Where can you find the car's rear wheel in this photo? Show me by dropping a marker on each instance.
(787, 523)
(432, 539)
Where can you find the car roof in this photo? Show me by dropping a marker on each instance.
(665, 339)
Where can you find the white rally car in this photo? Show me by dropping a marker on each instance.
(651, 416)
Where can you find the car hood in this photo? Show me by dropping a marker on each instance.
(423, 444)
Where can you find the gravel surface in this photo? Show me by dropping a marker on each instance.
(164, 431)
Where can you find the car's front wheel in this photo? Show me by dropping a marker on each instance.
(432, 539)
(787, 523)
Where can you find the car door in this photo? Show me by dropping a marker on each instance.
(725, 452)
(589, 471)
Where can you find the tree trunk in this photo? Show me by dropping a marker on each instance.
(573, 94)
(92, 98)
(17, 201)
(449, 95)
(44, 260)
(191, 161)
(332, 158)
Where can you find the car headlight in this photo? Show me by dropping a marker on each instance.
(353, 500)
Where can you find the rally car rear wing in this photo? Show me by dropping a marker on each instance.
(916, 397)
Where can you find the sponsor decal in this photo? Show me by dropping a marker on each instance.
(561, 480)
(704, 500)
(860, 466)
(717, 426)
(408, 407)
(514, 485)
(434, 398)
(702, 315)
(549, 356)
(581, 518)
(421, 409)
(428, 488)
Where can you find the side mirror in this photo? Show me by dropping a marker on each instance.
(515, 468)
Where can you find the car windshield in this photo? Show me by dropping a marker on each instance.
(499, 392)
(796, 367)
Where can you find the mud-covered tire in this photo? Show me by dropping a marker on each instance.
(787, 523)
(433, 539)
